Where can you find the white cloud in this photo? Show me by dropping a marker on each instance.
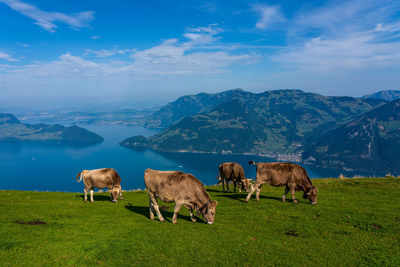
(66, 66)
(175, 57)
(47, 20)
(210, 7)
(355, 35)
(172, 57)
(95, 37)
(22, 44)
(268, 15)
(346, 16)
(349, 52)
(109, 53)
(100, 53)
(7, 57)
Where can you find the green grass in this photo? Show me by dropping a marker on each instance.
(356, 222)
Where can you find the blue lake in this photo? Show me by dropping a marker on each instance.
(45, 167)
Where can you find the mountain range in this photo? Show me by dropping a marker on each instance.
(282, 124)
(12, 130)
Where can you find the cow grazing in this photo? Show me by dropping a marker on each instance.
(181, 188)
(293, 176)
(231, 171)
(101, 178)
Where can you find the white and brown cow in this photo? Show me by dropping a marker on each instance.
(181, 188)
(293, 176)
(101, 178)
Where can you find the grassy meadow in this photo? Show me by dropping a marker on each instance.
(356, 222)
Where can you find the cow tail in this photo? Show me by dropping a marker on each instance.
(252, 162)
(242, 176)
(79, 177)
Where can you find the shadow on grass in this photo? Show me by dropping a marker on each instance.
(242, 197)
(95, 197)
(220, 191)
(166, 214)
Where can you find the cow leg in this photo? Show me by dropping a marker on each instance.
(285, 193)
(191, 215)
(240, 187)
(176, 211)
(292, 190)
(120, 193)
(91, 194)
(156, 208)
(258, 192)
(252, 189)
(234, 184)
(151, 209)
(227, 185)
(85, 190)
(223, 185)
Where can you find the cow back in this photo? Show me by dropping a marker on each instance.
(174, 185)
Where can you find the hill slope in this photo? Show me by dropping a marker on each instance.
(191, 105)
(274, 123)
(371, 142)
(13, 130)
(355, 223)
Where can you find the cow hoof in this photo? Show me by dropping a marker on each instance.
(85, 200)
(194, 220)
(174, 222)
(91, 200)
(121, 198)
(114, 201)
(162, 220)
(295, 201)
(283, 200)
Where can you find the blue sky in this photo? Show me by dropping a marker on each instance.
(149, 52)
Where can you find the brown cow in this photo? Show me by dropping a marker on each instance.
(101, 178)
(181, 188)
(292, 175)
(231, 171)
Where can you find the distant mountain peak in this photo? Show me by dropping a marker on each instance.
(8, 118)
(388, 95)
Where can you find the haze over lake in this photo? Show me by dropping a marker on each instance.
(42, 167)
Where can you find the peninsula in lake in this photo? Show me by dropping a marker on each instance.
(12, 130)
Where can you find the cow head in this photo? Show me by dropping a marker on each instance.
(115, 193)
(311, 194)
(208, 211)
(246, 185)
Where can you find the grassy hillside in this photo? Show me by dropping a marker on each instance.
(189, 105)
(372, 142)
(356, 222)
